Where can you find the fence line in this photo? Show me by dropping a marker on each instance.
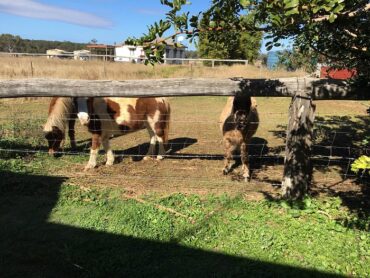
(297, 175)
(280, 87)
(104, 57)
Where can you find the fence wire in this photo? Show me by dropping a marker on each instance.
(195, 150)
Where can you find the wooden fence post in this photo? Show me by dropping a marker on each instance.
(297, 165)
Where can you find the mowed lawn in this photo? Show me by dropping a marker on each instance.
(181, 217)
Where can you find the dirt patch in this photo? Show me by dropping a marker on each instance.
(191, 176)
(195, 162)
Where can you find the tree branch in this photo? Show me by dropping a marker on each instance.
(351, 14)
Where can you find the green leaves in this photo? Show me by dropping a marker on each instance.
(291, 7)
(245, 3)
(336, 29)
(331, 7)
(175, 4)
(332, 17)
(362, 163)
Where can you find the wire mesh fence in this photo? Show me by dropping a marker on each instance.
(195, 152)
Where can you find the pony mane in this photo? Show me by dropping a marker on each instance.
(59, 114)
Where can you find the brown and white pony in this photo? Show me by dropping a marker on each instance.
(106, 117)
(239, 122)
(62, 115)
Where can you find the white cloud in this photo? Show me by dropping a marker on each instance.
(33, 9)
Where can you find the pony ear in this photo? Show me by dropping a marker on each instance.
(239, 112)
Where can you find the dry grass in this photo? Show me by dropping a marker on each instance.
(40, 67)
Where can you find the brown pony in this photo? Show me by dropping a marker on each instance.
(239, 122)
(110, 116)
(62, 114)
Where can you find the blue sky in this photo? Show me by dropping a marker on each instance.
(107, 21)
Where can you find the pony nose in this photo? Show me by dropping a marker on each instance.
(83, 117)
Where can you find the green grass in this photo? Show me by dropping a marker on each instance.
(49, 228)
(57, 222)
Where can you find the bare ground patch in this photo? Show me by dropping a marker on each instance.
(195, 161)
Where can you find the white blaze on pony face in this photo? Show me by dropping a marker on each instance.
(83, 111)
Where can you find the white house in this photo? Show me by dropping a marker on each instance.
(57, 54)
(136, 54)
(82, 55)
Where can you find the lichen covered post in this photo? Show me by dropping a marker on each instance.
(297, 165)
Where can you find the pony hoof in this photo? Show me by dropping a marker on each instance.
(109, 163)
(159, 157)
(225, 171)
(247, 178)
(147, 157)
(89, 167)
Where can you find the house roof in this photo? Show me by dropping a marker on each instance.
(99, 46)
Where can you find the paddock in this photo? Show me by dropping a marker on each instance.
(182, 213)
(194, 162)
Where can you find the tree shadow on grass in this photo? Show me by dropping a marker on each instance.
(174, 145)
(18, 147)
(31, 246)
(11, 148)
(338, 140)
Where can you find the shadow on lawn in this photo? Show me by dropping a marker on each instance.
(33, 247)
(338, 140)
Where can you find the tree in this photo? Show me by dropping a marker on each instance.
(292, 60)
(337, 29)
(9, 43)
(93, 41)
(229, 45)
(191, 54)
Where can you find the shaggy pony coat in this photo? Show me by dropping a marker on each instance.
(239, 122)
(61, 116)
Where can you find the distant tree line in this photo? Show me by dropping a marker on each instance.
(292, 60)
(11, 43)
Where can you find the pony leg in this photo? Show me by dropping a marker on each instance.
(153, 141)
(150, 153)
(108, 150)
(71, 133)
(93, 152)
(228, 157)
(161, 150)
(161, 129)
(244, 159)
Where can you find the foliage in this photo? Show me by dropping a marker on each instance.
(292, 60)
(191, 54)
(229, 45)
(263, 58)
(337, 29)
(11, 43)
(361, 164)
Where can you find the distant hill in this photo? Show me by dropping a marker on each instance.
(11, 43)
